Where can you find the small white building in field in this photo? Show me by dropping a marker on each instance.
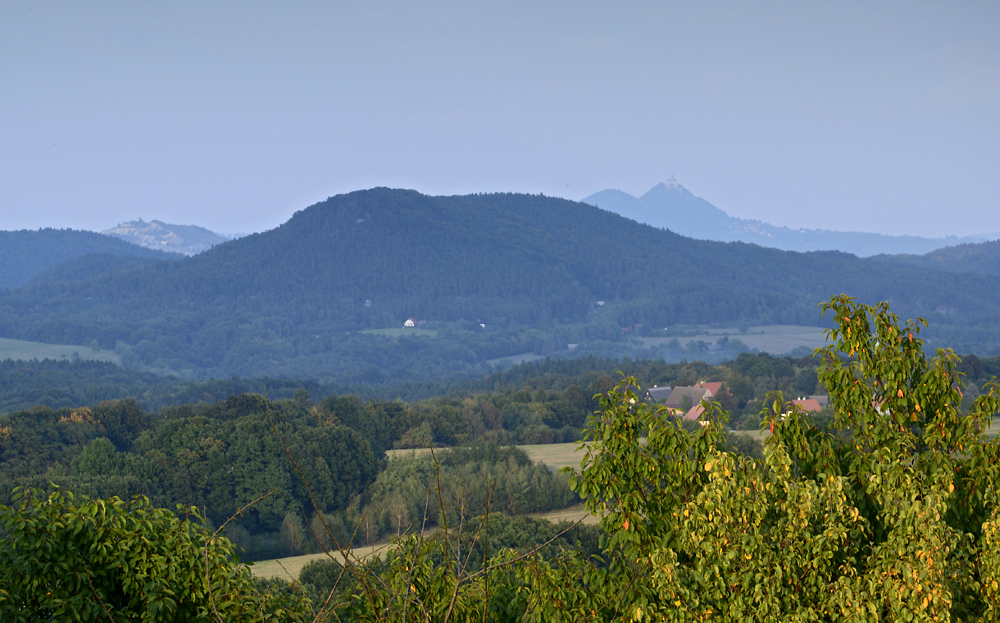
(410, 322)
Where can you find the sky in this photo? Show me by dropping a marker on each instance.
(862, 116)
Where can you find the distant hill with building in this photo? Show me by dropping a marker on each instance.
(183, 239)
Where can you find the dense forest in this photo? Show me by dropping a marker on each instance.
(491, 275)
(27, 255)
(981, 259)
(222, 456)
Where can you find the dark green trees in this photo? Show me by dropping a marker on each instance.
(70, 559)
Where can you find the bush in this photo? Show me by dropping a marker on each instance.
(69, 558)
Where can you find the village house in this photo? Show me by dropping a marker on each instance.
(809, 405)
(683, 398)
(657, 394)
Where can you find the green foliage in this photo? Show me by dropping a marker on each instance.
(470, 481)
(894, 518)
(73, 559)
(218, 457)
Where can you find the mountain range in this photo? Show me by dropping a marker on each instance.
(671, 206)
(326, 294)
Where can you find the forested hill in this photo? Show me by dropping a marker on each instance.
(371, 259)
(982, 258)
(27, 254)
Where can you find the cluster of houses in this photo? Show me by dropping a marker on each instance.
(685, 402)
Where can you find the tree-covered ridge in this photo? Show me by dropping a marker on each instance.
(484, 270)
(26, 254)
(981, 259)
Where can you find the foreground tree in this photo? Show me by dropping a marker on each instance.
(69, 559)
(892, 515)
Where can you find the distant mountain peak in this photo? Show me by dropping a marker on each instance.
(670, 188)
(669, 205)
(186, 239)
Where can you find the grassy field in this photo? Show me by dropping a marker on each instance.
(513, 360)
(403, 331)
(774, 339)
(572, 514)
(289, 568)
(554, 455)
(18, 349)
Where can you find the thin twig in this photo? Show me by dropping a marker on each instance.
(90, 581)
(346, 553)
(420, 540)
(208, 541)
(526, 554)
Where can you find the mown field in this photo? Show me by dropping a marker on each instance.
(403, 331)
(775, 339)
(26, 351)
(289, 568)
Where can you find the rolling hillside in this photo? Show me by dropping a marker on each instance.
(488, 271)
(981, 259)
(26, 254)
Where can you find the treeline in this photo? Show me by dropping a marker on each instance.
(472, 481)
(60, 384)
(57, 384)
(221, 456)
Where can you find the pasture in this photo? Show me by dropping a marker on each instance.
(775, 339)
(398, 332)
(26, 351)
(289, 568)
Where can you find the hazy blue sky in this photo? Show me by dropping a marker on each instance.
(875, 116)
